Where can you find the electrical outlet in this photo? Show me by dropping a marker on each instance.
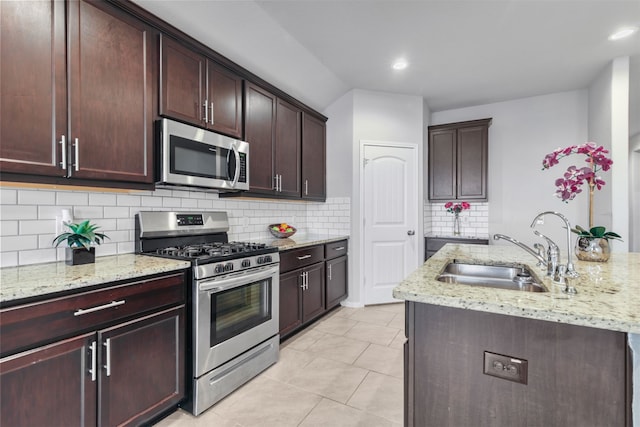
(62, 220)
(506, 367)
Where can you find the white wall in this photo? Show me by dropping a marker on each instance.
(523, 131)
(365, 115)
(609, 126)
(339, 146)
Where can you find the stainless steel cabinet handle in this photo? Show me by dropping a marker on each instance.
(302, 285)
(339, 248)
(77, 155)
(306, 187)
(411, 232)
(206, 112)
(81, 311)
(306, 280)
(280, 183)
(330, 265)
(94, 357)
(300, 258)
(275, 182)
(212, 113)
(63, 142)
(107, 346)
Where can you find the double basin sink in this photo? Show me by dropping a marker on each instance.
(502, 276)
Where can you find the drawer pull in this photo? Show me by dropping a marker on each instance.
(82, 311)
(300, 258)
(339, 248)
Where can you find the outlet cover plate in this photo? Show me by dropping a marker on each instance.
(506, 367)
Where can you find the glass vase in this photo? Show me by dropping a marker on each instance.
(456, 225)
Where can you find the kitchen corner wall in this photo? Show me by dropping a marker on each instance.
(28, 218)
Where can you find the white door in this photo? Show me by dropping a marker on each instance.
(391, 213)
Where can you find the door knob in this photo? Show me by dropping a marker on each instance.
(411, 232)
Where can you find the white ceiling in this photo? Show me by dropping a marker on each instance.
(461, 53)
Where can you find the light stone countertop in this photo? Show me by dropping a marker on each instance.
(303, 240)
(29, 281)
(608, 293)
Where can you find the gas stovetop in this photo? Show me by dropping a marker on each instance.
(214, 251)
(201, 238)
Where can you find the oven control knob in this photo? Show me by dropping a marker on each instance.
(268, 258)
(228, 266)
(260, 260)
(219, 268)
(246, 263)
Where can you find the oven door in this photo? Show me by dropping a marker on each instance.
(234, 313)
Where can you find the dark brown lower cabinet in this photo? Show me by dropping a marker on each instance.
(577, 376)
(336, 281)
(114, 373)
(290, 304)
(313, 294)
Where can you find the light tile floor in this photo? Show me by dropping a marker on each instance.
(344, 370)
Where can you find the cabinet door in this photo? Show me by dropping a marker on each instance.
(336, 281)
(50, 385)
(143, 364)
(111, 82)
(225, 101)
(313, 158)
(182, 85)
(290, 308)
(313, 295)
(442, 165)
(472, 163)
(259, 131)
(32, 87)
(287, 148)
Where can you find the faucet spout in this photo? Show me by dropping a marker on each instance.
(571, 272)
(537, 255)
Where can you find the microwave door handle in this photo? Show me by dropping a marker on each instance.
(236, 176)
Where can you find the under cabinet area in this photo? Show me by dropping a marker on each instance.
(458, 160)
(112, 356)
(78, 85)
(465, 367)
(196, 90)
(313, 280)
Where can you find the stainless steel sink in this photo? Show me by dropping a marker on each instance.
(516, 277)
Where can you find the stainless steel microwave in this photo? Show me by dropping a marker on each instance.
(194, 157)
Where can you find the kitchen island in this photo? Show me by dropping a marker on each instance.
(572, 355)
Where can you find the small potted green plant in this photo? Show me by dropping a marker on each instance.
(79, 240)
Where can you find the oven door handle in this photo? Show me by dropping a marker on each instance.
(238, 279)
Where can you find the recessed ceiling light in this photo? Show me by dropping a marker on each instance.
(625, 32)
(400, 64)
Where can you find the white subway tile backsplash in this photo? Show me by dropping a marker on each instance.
(28, 230)
(8, 196)
(35, 197)
(72, 198)
(18, 212)
(42, 226)
(19, 243)
(100, 199)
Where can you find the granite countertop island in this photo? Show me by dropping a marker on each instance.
(608, 294)
(30, 281)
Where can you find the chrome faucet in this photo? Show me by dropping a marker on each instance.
(571, 272)
(537, 255)
(553, 254)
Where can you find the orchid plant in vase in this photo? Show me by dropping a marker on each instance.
(455, 209)
(592, 244)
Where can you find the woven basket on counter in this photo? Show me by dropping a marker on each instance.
(281, 235)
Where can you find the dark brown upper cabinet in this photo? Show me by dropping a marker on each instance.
(196, 90)
(80, 107)
(313, 158)
(458, 154)
(273, 129)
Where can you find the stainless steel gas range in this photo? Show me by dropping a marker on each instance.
(234, 299)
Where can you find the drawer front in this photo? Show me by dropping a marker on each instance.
(335, 249)
(296, 258)
(28, 325)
